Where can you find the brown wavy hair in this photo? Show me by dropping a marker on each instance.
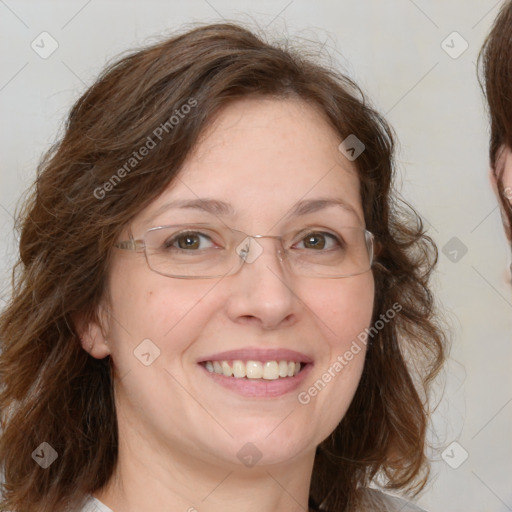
(495, 67)
(53, 391)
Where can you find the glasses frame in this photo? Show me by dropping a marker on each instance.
(139, 245)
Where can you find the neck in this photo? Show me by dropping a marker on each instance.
(153, 478)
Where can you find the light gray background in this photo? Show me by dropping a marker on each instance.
(394, 50)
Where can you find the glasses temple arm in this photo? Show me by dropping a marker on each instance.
(131, 245)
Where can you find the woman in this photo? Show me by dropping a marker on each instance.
(219, 303)
(496, 57)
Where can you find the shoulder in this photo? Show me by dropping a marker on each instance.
(377, 501)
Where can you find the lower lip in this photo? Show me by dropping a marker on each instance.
(260, 388)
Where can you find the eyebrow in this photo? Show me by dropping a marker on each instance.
(213, 206)
(223, 209)
(313, 205)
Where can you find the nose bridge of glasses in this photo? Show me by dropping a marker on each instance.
(250, 249)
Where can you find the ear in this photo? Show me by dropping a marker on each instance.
(501, 177)
(503, 171)
(507, 173)
(92, 334)
(494, 181)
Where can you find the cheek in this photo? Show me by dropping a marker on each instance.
(342, 313)
(343, 308)
(146, 305)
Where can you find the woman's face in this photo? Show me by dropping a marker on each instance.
(261, 157)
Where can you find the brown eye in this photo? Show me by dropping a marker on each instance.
(314, 241)
(189, 241)
(319, 240)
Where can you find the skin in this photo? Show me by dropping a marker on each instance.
(504, 169)
(179, 431)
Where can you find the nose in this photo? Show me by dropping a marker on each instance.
(261, 292)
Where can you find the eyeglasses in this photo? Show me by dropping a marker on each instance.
(203, 251)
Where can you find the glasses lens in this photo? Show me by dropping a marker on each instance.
(335, 253)
(189, 250)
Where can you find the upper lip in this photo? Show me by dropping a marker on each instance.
(258, 354)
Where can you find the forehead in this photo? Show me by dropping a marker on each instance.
(263, 156)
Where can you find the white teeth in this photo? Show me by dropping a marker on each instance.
(226, 369)
(238, 369)
(254, 370)
(268, 370)
(271, 370)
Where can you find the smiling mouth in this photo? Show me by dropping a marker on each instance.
(251, 369)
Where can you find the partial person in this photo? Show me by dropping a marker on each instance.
(496, 66)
